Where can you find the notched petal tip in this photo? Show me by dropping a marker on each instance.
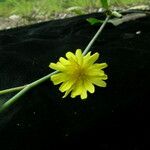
(70, 55)
(78, 52)
(99, 82)
(83, 95)
(58, 78)
(95, 56)
(67, 92)
(89, 86)
(58, 66)
(104, 65)
(52, 65)
(89, 60)
(104, 77)
(63, 61)
(88, 54)
(79, 56)
(102, 84)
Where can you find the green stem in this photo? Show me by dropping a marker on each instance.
(12, 90)
(96, 35)
(23, 91)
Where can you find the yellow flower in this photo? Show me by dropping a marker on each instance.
(78, 73)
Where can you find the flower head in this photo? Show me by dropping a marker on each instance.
(78, 73)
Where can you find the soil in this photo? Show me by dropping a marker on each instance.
(113, 118)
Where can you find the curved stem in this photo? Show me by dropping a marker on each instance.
(12, 90)
(23, 91)
(96, 35)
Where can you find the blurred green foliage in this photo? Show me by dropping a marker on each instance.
(33, 8)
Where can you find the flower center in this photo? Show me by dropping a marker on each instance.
(79, 73)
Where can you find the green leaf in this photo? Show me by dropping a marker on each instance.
(104, 4)
(93, 21)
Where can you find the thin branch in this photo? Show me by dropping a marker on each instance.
(23, 91)
(95, 36)
(6, 91)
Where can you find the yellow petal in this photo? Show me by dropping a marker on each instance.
(78, 53)
(57, 66)
(63, 61)
(67, 92)
(83, 94)
(89, 86)
(77, 90)
(95, 72)
(71, 56)
(99, 66)
(104, 77)
(66, 85)
(89, 60)
(58, 78)
(99, 82)
(79, 56)
(87, 55)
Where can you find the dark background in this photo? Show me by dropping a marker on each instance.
(115, 117)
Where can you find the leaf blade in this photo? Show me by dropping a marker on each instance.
(104, 4)
(94, 21)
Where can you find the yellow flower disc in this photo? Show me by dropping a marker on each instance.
(78, 74)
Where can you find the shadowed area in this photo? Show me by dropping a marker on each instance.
(115, 117)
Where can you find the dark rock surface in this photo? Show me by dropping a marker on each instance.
(116, 117)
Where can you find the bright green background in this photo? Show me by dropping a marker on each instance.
(50, 7)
